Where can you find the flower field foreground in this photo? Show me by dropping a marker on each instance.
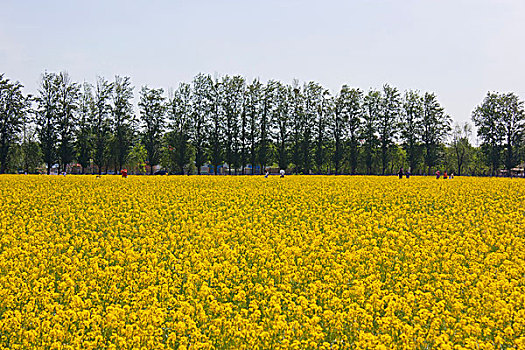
(246, 262)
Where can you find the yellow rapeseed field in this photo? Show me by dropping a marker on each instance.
(319, 262)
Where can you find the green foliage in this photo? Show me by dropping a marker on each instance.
(265, 124)
(25, 157)
(202, 108)
(68, 93)
(232, 91)
(101, 123)
(84, 133)
(500, 120)
(252, 110)
(346, 125)
(13, 109)
(460, 147)
(136, 161)
(388, 122)
(435, 126)
(152, 113)
(411, 127)
(282, 121)
(46, 118)
(122, 121)
(369, 130)
(177, 152)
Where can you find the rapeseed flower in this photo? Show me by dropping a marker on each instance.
(320, 262)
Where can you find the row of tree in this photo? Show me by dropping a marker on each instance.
(248, 126)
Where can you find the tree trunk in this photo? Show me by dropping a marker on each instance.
(336, 155)
(384, 160)
(509, 156)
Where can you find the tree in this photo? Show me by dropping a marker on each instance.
(137, 159)
(122, 121)
(265, 124)
(67, 104)
(398, 158)
(13, 108)
(372, 110)
(388, 122)
(297, 116)
(84, 131)
(353, 109)
(347, 120)
(152, 110)
(243, 137)
(202, 105)
(31, 156)
(46, 118)
(281, 120)
(232, 91)
(101, 121)
(216, 128)
(460, 145)
(312, 108)
(252, 107)
(487, 118)
(435, 127)
(322, 121)
(512, 126)
(338, 127)
(179, 111)
(411, 125)
(478, 163)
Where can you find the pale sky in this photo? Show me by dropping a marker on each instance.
(459, 49)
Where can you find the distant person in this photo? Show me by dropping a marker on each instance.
(451, 176)
(282, 172)
(408, 173)
(400, 173)
(124, 173)
(438, 174)
(267, 174)
(445, 176)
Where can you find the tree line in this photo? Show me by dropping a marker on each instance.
(249, 126)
